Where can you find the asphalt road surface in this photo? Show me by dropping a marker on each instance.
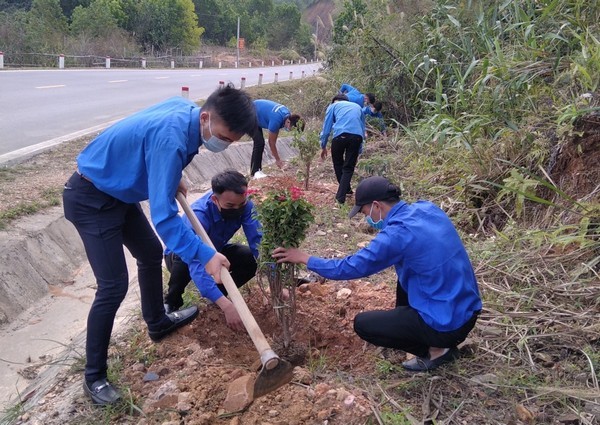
(41, 108)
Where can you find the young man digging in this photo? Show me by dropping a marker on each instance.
(437, 298)
(142, 158)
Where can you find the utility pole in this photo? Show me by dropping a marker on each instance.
(316, 37)
(238, 42)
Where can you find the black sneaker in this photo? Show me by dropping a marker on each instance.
(101, 392)
(178, 319)
(425, 364)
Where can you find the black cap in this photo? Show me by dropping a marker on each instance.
(371, 189)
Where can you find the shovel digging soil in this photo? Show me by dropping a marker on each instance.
(275, 372)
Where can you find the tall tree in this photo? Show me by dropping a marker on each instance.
(46, 26)
(218, 18)
(99, 19)
(167, 24)
(284, 24)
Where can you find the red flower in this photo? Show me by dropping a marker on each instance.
(296, 193)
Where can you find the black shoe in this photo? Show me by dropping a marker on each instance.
(101, 392)
(169, 309)
(350, 192)
(425, 364)
(178, 319)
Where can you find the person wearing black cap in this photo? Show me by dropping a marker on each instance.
(437, 298)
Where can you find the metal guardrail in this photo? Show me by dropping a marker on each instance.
(46, 60)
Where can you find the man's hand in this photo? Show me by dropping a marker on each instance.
(290, 255)
(280, 163)
(214, 265)
(182, 187)
(234, 321)
(323, 153)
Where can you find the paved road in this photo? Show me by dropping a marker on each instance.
(41, 108)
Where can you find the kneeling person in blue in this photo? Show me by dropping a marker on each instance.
(222, 212)
(437, 297)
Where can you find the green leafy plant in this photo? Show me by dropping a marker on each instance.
(285, 217)
(308, 145)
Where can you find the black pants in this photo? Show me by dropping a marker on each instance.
(344, 155)
(105, 225)
(404, 329)
(243, 268)
(258, 147)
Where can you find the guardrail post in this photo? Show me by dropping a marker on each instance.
(172, 64)
(107, 64)
(221, 84)
(143, 63)
(276, 77)
(200, 64)
(235, 64)
(291, 75)
(61, 61)
(250, 64)
(220, 64)
(272, 63)
(243, 83)
(1, 59)
(185, 92)
(302, 73)
(262, 63)
(260, 79)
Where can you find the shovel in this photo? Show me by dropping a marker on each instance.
(275, 371)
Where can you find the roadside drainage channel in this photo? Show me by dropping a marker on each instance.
(47, 285)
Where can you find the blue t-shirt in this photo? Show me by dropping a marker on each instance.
(432, 265)
(142, 158)
(220, 232)
(342, 116)
(271, 115)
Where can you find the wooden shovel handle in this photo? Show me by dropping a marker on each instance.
(268, 358)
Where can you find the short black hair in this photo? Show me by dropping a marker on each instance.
(377, 105)
(297, 122)
(231, 180)
(339, 96)
(234, 107)
(371, 97)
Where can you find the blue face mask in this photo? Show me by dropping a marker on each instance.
(377, 225)
(213, 144)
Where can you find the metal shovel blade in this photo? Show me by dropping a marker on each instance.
(270, 379)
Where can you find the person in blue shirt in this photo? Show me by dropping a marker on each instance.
(222, 211)
(347, 123)
(272, 116)
(354, 95)
(437, 297)
(374, 117)
(142, 158)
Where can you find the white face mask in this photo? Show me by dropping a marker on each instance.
(213, 144)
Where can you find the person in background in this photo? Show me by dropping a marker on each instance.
(222, 211)
(354, 95)
(142, 158)
(437, 297)
(346, 121)
(374, 117)
(272, 116)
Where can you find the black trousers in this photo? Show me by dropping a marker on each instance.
(243, 268)
(105, 225)
(258, 147)
(344, 155)
(404, 329)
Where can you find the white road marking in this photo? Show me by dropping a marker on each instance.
(160, 78)
(118, 81)
(51, 87)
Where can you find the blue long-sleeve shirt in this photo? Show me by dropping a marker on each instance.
(142, 158)
(342, 117)
(353, 94)
(220, 232)
(432, 265)
(271, 115)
